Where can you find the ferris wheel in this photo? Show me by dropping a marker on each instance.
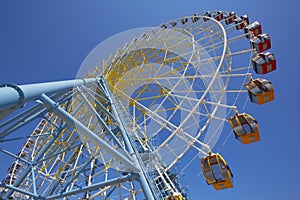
(143, 116)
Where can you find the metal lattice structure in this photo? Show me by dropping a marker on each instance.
(122, 131)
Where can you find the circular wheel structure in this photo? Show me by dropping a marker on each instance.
(138, 124)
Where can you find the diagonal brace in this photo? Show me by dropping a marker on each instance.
(84, 131)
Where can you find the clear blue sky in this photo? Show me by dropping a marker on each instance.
(47, 40)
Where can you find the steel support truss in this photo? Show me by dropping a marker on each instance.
(66, 154)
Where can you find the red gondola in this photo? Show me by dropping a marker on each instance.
(195, 18)
(218, 15)
(254, 28)
(43, 122)
(208, 15)
(261, 43)
(245, 128)
(260, 91)
(230, 18)
(173, 24)
(184, 21)
(241, 22)
(9, 180)
(264, 62)
(163, 26)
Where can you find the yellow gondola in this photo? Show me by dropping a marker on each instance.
(174, 196)
(245, 128)
(216, 172)
(260, 91)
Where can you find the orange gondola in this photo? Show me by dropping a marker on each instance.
(264, 62)
(174, 196)
(245, 128)
(260, 91)
(216, 172)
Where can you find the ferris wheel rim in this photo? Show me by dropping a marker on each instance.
(207, 88)
(211, 82)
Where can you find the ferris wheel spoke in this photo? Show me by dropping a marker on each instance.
(213, 91)
(191, 138)
(236, 69)
(216, 58)
(196, 138)
(155, 116)
(241, 52)
(180, 126)
(103, 124)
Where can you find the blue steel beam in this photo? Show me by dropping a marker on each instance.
(28, 112)
(82, 129)
(95, 186)
(96, 93)
(23, 138)
(17, 96)
(62, 175)
(97, 102)
(25, 113)
(111, 191)
(16, 157)
(56, 154)
(29, 116)
(77, 174)
(35, 160)
(104, 124)
(145, 184)
(20, 191)
(13, 96)
(33, 180)
(21, 123)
